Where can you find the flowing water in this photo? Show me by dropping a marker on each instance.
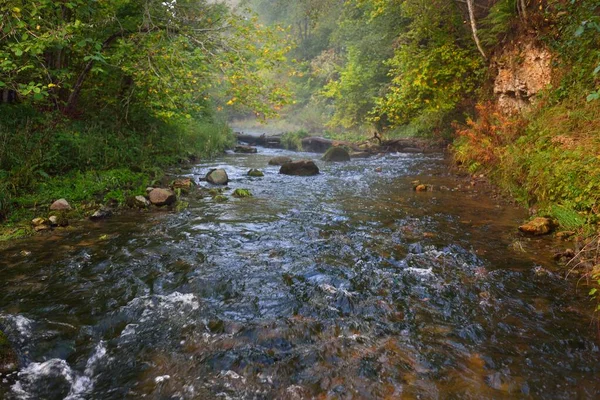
(344, 285)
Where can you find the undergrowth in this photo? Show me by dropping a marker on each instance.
(44, 156)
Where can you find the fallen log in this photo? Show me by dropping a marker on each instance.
(263, 140)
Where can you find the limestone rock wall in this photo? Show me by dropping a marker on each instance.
(524, 69)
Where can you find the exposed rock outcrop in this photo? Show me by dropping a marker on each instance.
(524, 69)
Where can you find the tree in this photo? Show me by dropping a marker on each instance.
(162, 55)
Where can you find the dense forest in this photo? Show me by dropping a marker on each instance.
(98, 96)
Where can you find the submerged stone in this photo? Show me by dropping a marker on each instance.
(241, 193)
(8, 357)
(102, 213)
(245, 149)
(280, 160)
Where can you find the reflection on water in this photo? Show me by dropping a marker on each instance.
(345, 285)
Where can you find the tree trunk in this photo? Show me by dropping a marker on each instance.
(474, 28)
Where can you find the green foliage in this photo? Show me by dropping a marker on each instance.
(293, 140)
(432, 72)
(499, 23)
(161, 56)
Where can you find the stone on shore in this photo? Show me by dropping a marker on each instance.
(162, 197)
(60, 205)
(538, 226)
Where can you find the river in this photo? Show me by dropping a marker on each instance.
(346, 285)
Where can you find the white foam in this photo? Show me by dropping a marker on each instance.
(161, 379)
(80, 384)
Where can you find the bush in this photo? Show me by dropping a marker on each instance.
(293, 140)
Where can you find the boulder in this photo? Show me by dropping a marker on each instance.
(280, 160)
(60, 205)
(538, 226)
(245, 149)
(336, 154)
(102, 213)
(255, 173)
(216, 177)
(8, 357)
(162, 197)
(300, 168)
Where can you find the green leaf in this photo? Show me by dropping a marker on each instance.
(593, 291)
(580, 31)
(18, 52)
(593, 96)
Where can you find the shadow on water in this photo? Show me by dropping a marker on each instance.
(345, 285)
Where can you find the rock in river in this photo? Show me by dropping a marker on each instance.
(280, 160)
(8, 357)
(60, 205)
(185, 184)
(255, 173)
(216, 177)
(102, 213)
(162, 197)
(245, 149)
(538, 226)
(336, 154)
(299, 168)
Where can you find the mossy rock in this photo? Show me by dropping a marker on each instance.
(255, 173)
(8, 357)
(336, 154)
(221, 199)
(241, 193)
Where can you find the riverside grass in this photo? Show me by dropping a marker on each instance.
(44, 157)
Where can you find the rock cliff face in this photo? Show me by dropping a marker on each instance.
(524, 69)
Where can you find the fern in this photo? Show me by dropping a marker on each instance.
(497, 24)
